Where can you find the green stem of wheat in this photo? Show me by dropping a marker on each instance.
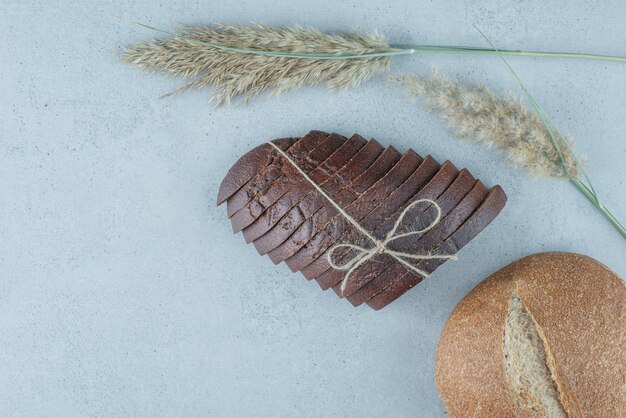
(435, 49)
(589, 194)
(401, 50)
(587, 188)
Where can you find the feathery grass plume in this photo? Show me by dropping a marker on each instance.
(528, 137)
(193, 52)
(503, 123)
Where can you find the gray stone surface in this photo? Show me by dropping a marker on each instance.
(123, 291)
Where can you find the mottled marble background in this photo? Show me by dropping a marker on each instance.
(123, 291)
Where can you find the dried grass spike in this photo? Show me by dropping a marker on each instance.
(504, 123)
(237, 74)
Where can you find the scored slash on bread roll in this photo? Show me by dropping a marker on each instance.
(543, 337)
(528, 371)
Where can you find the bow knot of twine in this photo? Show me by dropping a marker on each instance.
(380, 246)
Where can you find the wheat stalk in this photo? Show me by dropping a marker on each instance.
(197, 54)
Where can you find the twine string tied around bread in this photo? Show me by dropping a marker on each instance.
(380, 246)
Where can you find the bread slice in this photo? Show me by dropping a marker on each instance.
(367, 200)
(290, 179)
(432, 190)
(483, 216)
(249, 166)
(389, 205)
(414, 220)
(544, 336)
(299, 151)
(428, 242)
(349, 194)
(394, 203)
(321, 174)
(311, 203)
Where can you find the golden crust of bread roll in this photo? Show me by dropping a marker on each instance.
(544, 336)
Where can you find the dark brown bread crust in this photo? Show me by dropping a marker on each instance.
(578, 305)
(431, 240)
(311, 203)
(372, 197)
(349, 194)
(394, 204)
(299, 152)
(289, 180)
(320, 175)
(448, 201)
(249, 165)
(483, 216)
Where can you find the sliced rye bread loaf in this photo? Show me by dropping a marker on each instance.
(349, 194)
(432, 190)
(368, 200)
(483, 216)
(289, 180)
(393, 203)
(288, 200)
(432, 239)
(448, 201)
(365, 192)
(311, 203)
(266, 175)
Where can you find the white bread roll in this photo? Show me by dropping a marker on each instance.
(544, 336)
